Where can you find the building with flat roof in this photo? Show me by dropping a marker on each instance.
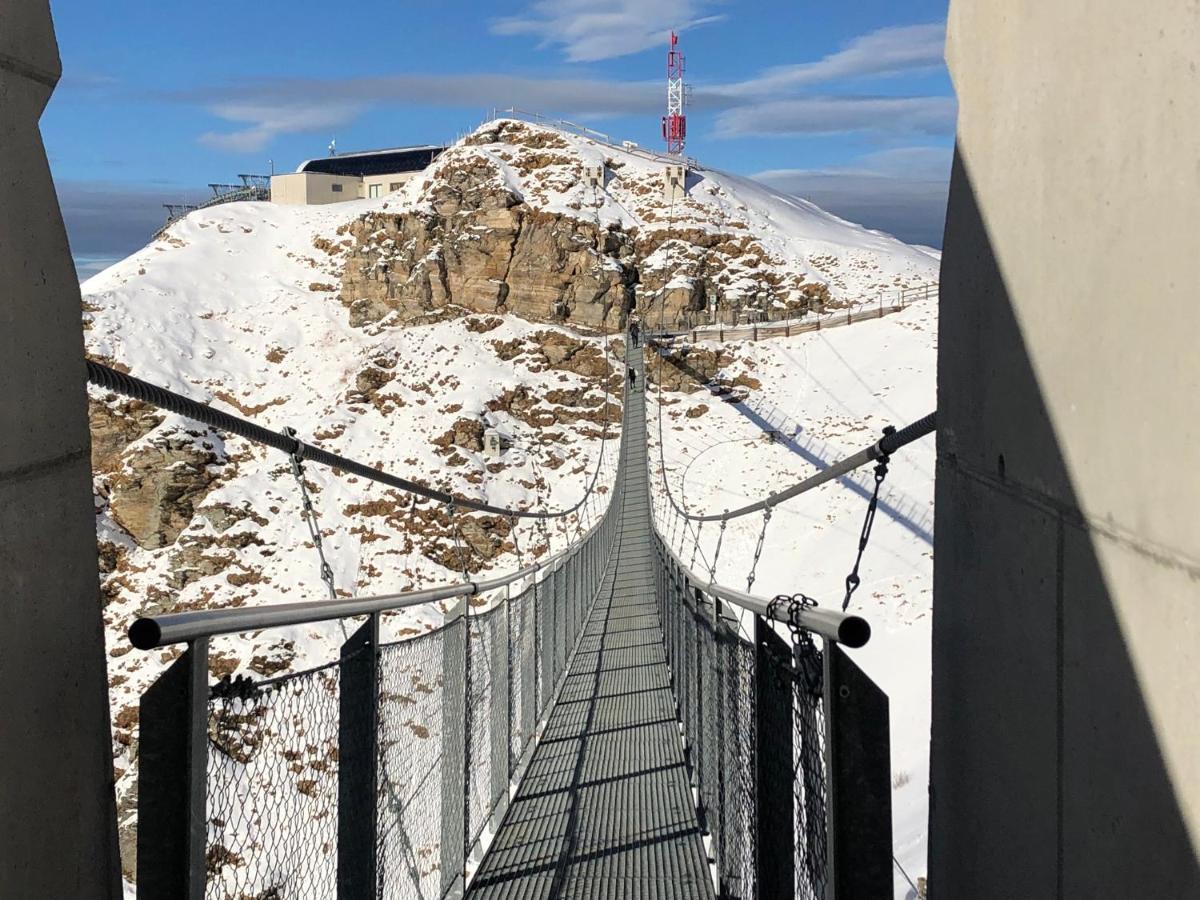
(352, 176)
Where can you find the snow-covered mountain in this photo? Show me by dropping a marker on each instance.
(394, 331)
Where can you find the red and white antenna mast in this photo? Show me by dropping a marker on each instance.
(674, 123)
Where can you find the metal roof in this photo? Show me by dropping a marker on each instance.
(374, 162)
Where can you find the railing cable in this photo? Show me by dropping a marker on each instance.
(110, 379)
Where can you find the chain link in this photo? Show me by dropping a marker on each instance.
(881, 470)
(309, 514)
(762, 535)
(458, 542)
(512, 530)
(712, 569)
(808, 659)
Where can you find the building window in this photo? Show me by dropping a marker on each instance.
(336, 188)
(374, 190)
(394, 186)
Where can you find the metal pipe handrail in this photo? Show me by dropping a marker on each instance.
(845, 628)
(151, 632)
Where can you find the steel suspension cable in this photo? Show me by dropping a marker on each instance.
(110, 379)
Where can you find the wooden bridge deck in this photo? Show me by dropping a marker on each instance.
(605, 809)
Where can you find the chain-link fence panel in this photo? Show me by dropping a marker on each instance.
(736, 848)
(810, 779)
(410, 767)
(486, 737)
(522, 667)
(272, 813)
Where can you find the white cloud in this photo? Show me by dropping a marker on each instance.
(902, 191)
(885, 52)
(271, 119)
(840, 114)
(307, 106)
(766, 104)
(587, 31)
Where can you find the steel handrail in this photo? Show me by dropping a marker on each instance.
(845, 628)
(151, 632)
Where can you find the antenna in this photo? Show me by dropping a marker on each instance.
(674, 123)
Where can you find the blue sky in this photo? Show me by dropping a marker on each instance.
(846, 104)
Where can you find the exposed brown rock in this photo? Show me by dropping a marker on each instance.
(156, 492)
(115, 424)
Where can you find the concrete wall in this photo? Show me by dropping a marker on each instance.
(388, 183)
(1066, 705)
(58, 828)
(309, 188)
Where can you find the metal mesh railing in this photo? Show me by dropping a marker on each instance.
(273, 787)
(753, 723)
(412, 744)
(409, 812)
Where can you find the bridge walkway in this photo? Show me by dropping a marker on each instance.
(605, 808)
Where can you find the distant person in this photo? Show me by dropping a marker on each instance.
(632, 380)
(633, 333)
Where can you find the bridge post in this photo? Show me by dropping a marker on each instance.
(773, 763)
(173, 779)
(358, 744)
(859, 780)
(454, 748)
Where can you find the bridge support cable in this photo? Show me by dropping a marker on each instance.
(110, 379)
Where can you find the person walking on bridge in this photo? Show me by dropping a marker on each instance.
(634, 332)
(632, 379)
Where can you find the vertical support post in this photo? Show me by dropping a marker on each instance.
(358, 759)
(454, 747)
(859, 778)
(774, 804)
(173, 779)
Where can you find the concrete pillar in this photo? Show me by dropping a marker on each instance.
(58, 828)
(1066, 634)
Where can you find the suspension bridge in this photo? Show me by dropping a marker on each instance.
(606, 722)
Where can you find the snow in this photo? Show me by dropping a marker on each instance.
(205, 309)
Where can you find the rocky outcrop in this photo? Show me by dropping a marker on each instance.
(115, 424)
(474, 243)
(155, 494)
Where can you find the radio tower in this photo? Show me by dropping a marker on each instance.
(674, 123)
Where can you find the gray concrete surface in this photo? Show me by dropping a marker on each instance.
(1066, 679)
(58, 825)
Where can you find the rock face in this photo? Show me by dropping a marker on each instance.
(483, 249)
(475, 240)
(155, 493)
(115, 424)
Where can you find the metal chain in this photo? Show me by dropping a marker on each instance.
(809, 661)
(762, 535)
(512, 530)
(696, 546)
(712, 569)
(462, 558)
(309, 514)
(881, 470)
